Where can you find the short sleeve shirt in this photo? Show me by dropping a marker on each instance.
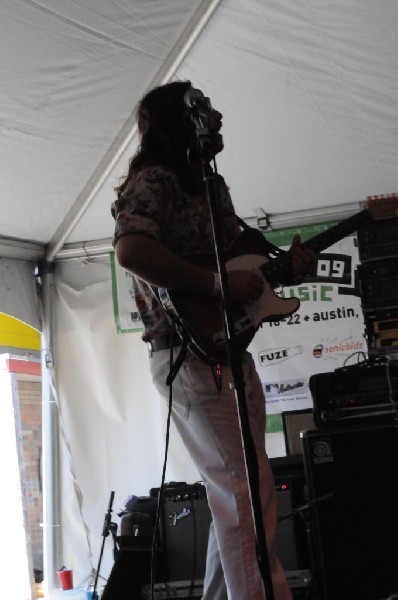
(155, 205)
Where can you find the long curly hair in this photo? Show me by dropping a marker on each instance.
(166, 133)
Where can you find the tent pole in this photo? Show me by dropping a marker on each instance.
(52, 542)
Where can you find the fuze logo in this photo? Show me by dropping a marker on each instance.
(276, 355)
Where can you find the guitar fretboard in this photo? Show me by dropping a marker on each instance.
(337, 232)
(318, 243)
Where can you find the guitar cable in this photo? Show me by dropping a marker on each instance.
(174, 368)
(217, 374)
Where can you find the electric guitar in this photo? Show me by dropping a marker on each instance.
(199, 317)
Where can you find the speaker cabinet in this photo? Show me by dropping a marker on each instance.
(353, 488)
(291, 535)
(130, 572)
(185, 519)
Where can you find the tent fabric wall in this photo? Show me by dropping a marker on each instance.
(18, 295)
(114, 420)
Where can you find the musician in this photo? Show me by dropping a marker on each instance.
(162, 218)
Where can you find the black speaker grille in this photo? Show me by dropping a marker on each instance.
(185, 520)
(353, 483)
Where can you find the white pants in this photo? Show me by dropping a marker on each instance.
(207, 420)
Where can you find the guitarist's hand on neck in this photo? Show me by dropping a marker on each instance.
(301, 259)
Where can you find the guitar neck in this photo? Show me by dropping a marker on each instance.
(337, 232)
(318, 243)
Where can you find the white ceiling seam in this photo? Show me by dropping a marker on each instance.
(88, 250)
(52, 12)
(185, 42)
(21, 249)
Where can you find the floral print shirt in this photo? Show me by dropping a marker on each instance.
(155, 205)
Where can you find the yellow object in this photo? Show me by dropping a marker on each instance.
(17, 334)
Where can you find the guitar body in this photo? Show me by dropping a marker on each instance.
(201, 316)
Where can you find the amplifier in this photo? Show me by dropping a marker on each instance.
(184, 527)
(185, 590)
(353, 488)
(291, 541)
(381, 327)
(378, 281)
(359, 392)
(185, 520)
(378, 239)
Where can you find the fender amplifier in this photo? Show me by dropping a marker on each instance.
(184, 526)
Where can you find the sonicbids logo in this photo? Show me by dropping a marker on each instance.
(319, 350)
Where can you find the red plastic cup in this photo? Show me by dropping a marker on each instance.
(66, 579)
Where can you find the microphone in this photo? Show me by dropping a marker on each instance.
(193, 97)
(194, 100)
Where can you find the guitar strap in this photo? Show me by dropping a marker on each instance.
(242, 223)
(179, 333)
(176, 365)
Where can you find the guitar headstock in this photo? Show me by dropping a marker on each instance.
(383, 206)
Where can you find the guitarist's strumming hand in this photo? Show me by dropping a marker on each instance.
(245, 287)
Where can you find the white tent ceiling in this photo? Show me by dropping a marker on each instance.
(308, 90)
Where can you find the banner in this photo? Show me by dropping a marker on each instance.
(326, 331)
(127, 319)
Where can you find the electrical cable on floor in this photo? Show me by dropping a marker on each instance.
(160, 495)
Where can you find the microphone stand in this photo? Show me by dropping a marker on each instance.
(249, 450)
(109, 527)
(392, 380)
(305, 511)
